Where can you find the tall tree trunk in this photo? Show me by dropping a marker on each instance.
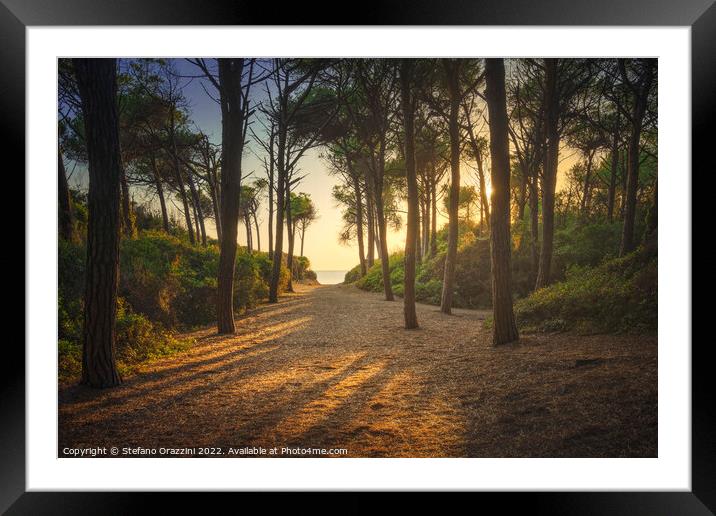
(549, 172)
(197, 231)
(622, 200)
(482, 215)
(97, 83)
(127, 222)
(652, 218)
(292, 245)
(232, 138)
(418, 230)
(291, 232)
(522, 201)
(217, 218)
(433, 217)
(66, 213)
(200, 216)
(484, 201)
(270, 195)
(641, 96)
(213, 185)
(504, 329)
(425, 218)
(258, 234)
(451, 71)
(250, 227)
(198, 212)
(160, 192)
(425, 231)
(180, 180)
(632, 182)
(247, 226)
(534, 223)
(537, 163)
(611, 194)
(280, 203)
(303, 234)
(185, 205)
(359, 218)
(383, 246)
(586, 196)
(614, 170)
(411, 317)
(370, 214)
(376, 231)
(378, 178)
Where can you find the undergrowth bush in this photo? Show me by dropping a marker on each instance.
(585, 245)
(352, 275)
(592, 291)
(619, 295)
(165, 285)
(473, 287)
(137, 340)
(302, 268)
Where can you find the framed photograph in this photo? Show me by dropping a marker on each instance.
(416, 250)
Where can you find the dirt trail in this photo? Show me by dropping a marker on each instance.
(332, 367)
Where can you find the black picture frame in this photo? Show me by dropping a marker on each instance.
(700, 15)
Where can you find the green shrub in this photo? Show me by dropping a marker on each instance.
(473, 288)
(619, 292)
(171, 281)
(250, 284)
(69, 360)
(473, 280)
(70, 291)
(301, 266)
(576, 242)
(138, 339)
(429, 292)
(585, 244)
(165, 285)
(167, 280)
(620, 295)
(352, 275)
(151, 274)
(373, 280)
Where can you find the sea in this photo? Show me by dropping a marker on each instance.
(330, 277)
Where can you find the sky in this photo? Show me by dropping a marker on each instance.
(321, 242)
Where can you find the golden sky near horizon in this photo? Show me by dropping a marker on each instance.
(321, 243)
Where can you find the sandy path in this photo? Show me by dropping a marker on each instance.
(332, 367)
